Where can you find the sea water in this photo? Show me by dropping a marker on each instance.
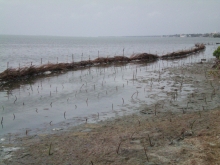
(86, 95)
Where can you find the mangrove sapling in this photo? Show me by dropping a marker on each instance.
(119, 144)
(87, 102)
(14, 116)
(191, 124)
(132, 135)
(81, 87)
(155, 110)
(149, 139)
(50, 149)
(205, 99)
(145, 151)
(200, 114)
(50, 122)
(2, 121)
(15, 99)
(139, 122)
(212, 86)
(3, 107)
(123, 101)
(64, 115)
(133, 94)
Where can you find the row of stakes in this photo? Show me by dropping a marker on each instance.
(134, 77)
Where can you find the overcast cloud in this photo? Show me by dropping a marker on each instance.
(108, 17)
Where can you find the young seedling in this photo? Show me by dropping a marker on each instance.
(155, 110)
(87, 102)
(15, 99)
(64, 115)
(139, 122)
(117, 151)
(98, 115)
(123, 101)
(81, 87)
(151, 144)
(133, 94)
(191, 124)
(145, 151)
(50, 149)
(14, 116)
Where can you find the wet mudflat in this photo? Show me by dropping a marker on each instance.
(173, 124)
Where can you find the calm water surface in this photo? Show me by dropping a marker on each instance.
(89, 94)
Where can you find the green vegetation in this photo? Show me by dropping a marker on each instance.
(217, 35)
(216, 53)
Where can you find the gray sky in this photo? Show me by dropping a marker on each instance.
(108, 17)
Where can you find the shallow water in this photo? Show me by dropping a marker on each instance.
(24, 50)
(90, 94)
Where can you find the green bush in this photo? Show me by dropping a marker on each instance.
(216, 53)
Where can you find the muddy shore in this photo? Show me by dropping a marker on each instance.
(168, 132)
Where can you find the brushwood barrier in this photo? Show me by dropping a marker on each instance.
(12, 74)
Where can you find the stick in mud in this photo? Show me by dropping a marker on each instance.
(15, 99)
(123, 101)
(150, 141)
(145, 151)
(133, 95)
(50, 149)
(117, 151)
(64, 115)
